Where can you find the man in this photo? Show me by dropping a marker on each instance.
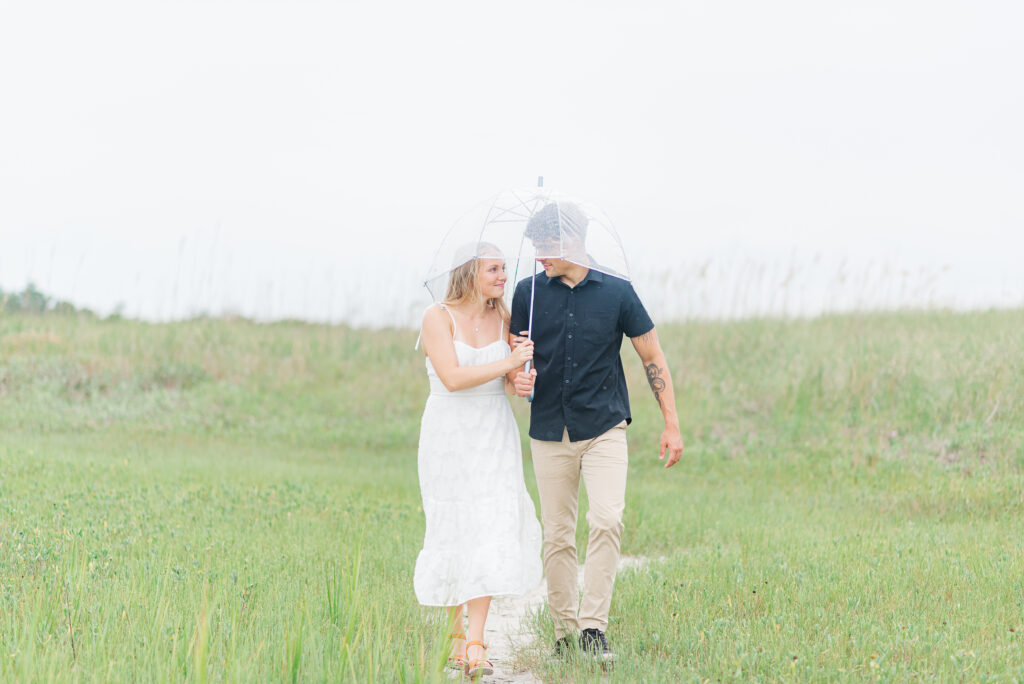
(579, 414)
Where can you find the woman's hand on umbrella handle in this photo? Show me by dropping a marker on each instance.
(522, 353)
(520, 338)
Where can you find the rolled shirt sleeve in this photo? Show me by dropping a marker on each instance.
(633, 317)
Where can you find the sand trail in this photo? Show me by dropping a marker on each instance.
(507, 628)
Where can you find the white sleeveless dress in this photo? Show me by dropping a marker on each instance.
(482, 536)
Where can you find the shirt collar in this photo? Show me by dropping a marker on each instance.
(592, 276)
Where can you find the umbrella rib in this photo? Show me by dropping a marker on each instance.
(524, 209)
(487, 221)
(536, 199)
(512, 211)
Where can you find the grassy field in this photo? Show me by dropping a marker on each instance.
(224, 501)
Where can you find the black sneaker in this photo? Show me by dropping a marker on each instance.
(594, 644)
(564, 646)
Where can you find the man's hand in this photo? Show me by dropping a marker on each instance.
(672, 442)
(523, 382)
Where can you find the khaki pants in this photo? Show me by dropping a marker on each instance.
(603, 462)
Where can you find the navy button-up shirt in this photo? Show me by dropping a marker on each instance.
(577, 335)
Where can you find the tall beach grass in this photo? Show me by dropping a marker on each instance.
(219, 500)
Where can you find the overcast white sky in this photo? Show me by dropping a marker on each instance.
(299, 158)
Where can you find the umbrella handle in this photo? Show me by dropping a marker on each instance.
(527, 370)
(533, 288)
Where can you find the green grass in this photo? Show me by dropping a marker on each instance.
(224, 501)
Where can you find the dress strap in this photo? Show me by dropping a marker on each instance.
(455, 326)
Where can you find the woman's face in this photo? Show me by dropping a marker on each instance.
(491, 278)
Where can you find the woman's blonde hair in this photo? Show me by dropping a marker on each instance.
(464, 282)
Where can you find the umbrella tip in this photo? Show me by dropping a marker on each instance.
(540, 181)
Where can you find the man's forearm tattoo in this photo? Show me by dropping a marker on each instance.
(657, 382)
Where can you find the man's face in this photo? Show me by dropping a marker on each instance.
(548, 250)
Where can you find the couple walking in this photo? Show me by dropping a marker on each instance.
(482, 535)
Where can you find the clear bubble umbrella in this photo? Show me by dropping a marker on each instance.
(523, 225)
(560, 226)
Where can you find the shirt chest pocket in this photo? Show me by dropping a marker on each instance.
(598, 329)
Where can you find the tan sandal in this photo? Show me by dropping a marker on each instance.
(456, 662)
(481, 666)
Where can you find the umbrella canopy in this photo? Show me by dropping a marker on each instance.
(521, 225)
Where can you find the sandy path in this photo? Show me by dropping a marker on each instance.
(506, 629)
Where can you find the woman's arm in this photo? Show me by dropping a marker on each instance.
(439, 347)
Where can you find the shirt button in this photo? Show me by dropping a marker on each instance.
(570, 314)
(575, 365)
(567, 382)
(570, 337)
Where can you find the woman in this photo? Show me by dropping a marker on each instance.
(482, 537)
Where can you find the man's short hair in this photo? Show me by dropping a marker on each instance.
(556, 220)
